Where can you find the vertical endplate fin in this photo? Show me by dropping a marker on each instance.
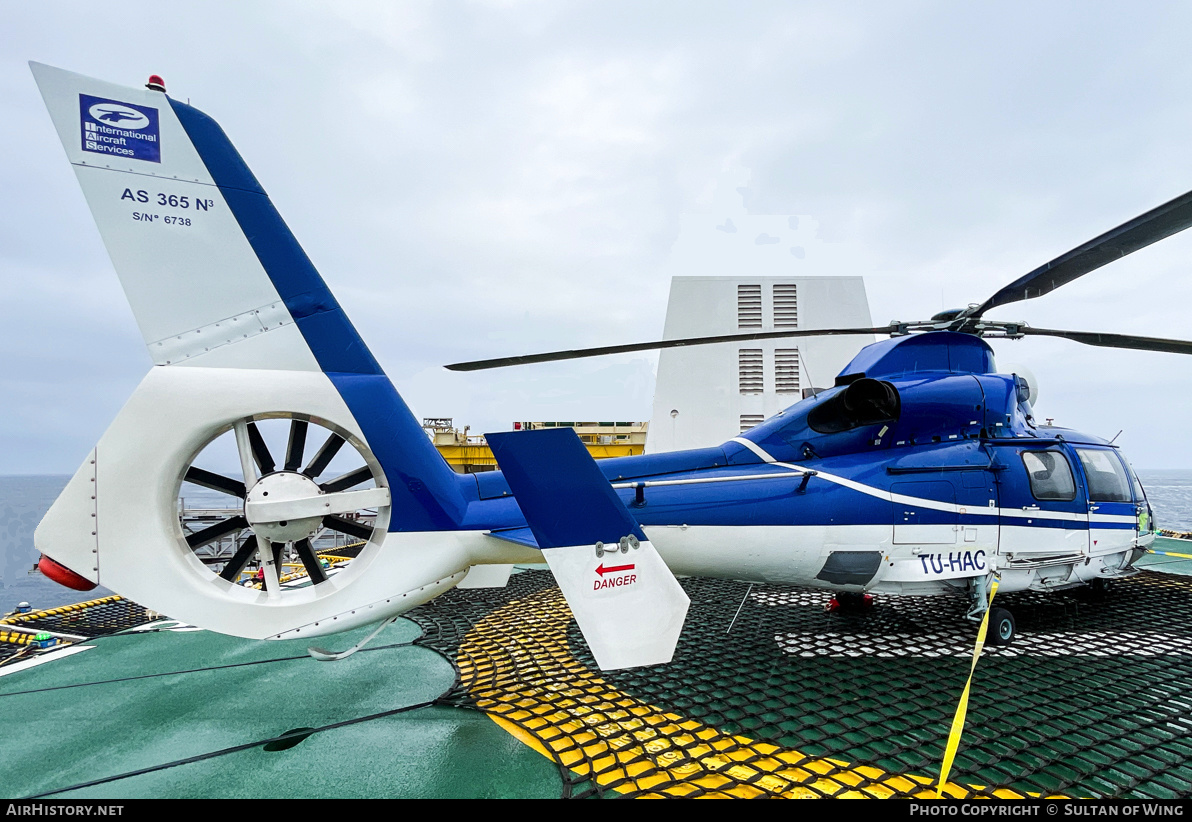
(625, 599)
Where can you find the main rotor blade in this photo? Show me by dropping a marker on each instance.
(502, 362)
(1114, 340)
(1169, 218)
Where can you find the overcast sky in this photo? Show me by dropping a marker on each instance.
(490, 178)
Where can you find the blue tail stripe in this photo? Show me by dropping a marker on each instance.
(223, 161)
(332, 339)
(328, 331)
(427, 494)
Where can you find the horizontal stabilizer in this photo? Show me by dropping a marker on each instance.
(625, 599)
(519, 536)
(561, 492)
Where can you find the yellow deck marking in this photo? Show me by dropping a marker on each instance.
(1169, 553)
(517, 665)
(16, 619)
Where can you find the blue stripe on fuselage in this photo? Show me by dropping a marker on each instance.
(767, 501)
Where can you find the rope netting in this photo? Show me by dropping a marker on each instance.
(1091, 700)
(97, 617)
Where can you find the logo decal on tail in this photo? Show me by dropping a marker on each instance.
(119, 129)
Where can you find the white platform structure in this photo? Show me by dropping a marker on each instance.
(708, 394)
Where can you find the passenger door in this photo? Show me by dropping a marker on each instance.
(1043, 508)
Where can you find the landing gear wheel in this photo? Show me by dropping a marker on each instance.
(1098, 590)
(276, 513)
(1002, 629)
(848, 601)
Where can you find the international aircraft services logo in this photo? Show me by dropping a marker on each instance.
(119, 129)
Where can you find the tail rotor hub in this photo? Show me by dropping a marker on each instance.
(275, 506)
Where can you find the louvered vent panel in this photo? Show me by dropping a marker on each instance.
(749, 306)
(750, 421)
(786, 370)
(749, 370)
(786, 305)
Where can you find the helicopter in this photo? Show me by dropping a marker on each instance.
(921, 471)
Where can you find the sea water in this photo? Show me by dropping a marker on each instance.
(25, 499)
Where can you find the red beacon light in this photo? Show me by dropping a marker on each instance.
(156, 83)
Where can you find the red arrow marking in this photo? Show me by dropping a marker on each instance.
(600, 569)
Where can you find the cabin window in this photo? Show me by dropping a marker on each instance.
(1106, 478)
(1050, 475)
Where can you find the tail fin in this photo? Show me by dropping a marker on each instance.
(242, 328)
(213, 275)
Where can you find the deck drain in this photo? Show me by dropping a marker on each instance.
(289, 739)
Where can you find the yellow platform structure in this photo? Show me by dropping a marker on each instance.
(469, 453)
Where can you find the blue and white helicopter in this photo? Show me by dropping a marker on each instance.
(921, 472)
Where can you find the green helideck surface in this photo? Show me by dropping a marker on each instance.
(121, 719)
(1167, 557)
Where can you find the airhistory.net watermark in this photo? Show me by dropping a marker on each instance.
(61, 809)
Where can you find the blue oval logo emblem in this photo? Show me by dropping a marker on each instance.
(118, 116)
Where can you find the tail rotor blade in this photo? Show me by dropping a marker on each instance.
(296, 445)
(310, 561)
(214, 532)
(236, 564)
(216, 482)
(347, 526)
(323, 458)
(349, 480)
(260, 451)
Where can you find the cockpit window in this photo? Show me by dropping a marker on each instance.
(1105, 475)
(1050, 474)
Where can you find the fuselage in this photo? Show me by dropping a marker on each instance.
(949, 481)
